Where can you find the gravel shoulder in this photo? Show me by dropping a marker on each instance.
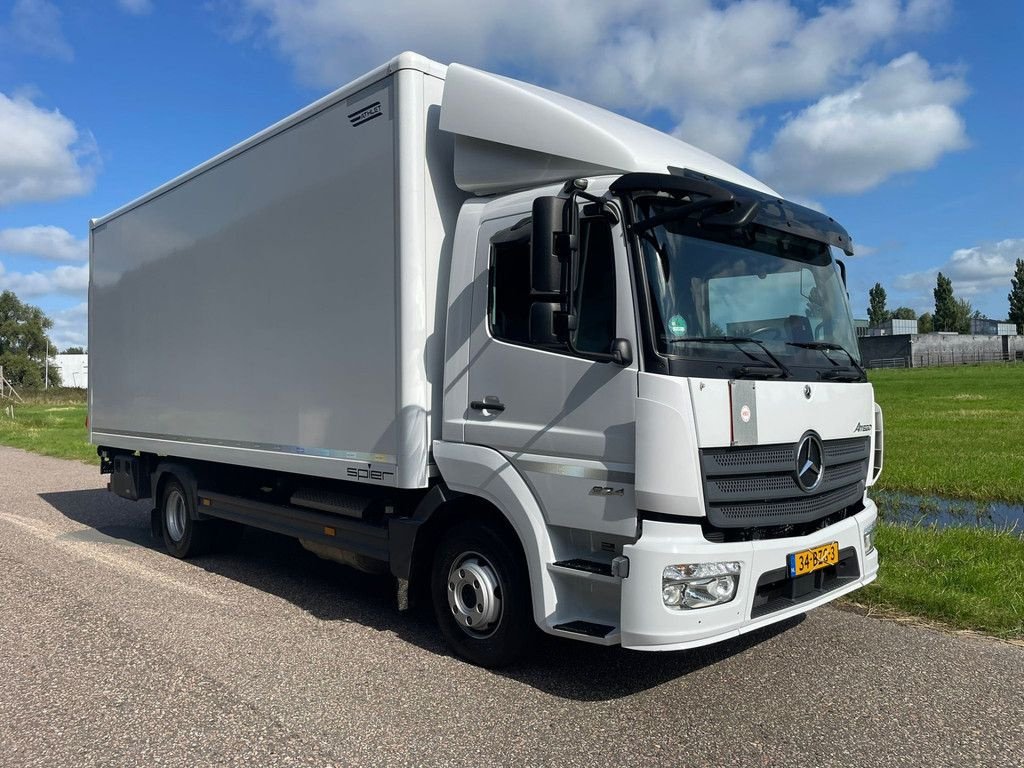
(114, 653)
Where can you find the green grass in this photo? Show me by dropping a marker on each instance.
(54, 396)
(964, 577)
(51, 423)
(956, 432)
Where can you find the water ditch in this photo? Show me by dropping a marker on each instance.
(908, 509)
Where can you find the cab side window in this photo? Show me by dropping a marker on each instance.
(509, 291)
(512, 305)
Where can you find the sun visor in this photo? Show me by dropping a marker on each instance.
(753, 206)
(787, 216)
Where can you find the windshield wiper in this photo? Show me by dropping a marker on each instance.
(760, 371)
(825, 347)
(842, 373)
(762, 368)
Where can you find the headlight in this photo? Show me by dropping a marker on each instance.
(699, 585)
(869, 538)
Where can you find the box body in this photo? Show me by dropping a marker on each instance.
(272, 308)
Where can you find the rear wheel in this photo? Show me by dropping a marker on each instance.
(184, 536)
(481, 596)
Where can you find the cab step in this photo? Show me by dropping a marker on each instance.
(589, 570)
(589, 566)
(587, 628)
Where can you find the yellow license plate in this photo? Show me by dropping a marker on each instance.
(813, 559)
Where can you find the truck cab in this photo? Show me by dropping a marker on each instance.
(660, 371)
(674, 397)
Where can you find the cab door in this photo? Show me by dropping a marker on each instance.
(565, 421)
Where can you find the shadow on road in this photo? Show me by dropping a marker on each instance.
(278, 565)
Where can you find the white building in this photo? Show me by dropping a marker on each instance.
(74, 370)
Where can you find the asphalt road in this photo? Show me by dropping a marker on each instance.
(113, 653)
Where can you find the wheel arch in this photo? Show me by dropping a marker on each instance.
(414, 540)
(480, 481)
(174, 470)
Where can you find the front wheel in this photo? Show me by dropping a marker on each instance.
(481, 596)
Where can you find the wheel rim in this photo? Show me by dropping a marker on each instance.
(474, 594)
(175, 515)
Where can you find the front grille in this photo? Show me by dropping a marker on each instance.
(782, 486)
(776, 590)
(802, 510)
(743, 460)
(756, 486)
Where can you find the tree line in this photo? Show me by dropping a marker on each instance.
(951, 313)
(25, 346)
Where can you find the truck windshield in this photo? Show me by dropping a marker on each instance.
(750, 302)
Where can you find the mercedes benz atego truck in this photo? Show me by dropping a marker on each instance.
(558, 370)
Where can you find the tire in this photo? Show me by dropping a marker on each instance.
(481, 596)
(184, 536)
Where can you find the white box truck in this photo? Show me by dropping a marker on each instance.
(555, 368)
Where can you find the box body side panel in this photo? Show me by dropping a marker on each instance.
(249, 315)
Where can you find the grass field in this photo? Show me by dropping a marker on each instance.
(965, 577)
(956, 432)
(51, 423)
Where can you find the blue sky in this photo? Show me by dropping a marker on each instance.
(901, 119)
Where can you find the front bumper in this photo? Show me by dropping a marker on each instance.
(647, 624)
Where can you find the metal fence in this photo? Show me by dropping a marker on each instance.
(946, 357)
(887, 362)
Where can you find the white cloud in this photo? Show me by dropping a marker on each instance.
(703, 63)
(901, 118)
(34, 27)
(45, 242)
(927, 14)
(71, 327)
(136, 7)
(984, 267)
(43, 156)
(724, 134)
(68, 280)
(981, 273)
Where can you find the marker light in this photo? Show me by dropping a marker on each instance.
(869, 539)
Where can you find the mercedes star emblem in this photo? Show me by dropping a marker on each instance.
(810, 468)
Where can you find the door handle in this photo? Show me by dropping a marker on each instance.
(488, 405)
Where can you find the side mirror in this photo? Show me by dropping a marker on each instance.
(545, 264)
(842, 270)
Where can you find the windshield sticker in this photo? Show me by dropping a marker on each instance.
(677, 325)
